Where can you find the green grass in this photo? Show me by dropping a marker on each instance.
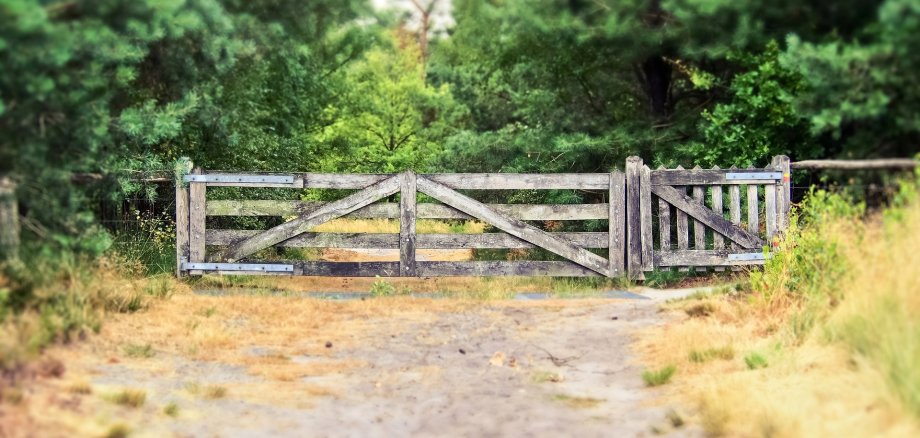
(755, 361)
(160, 286)
(139, 350)
(721, 353)
(659, 377)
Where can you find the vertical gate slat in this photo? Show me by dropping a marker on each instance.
(182, 220)
(664, 223)
(645, 186)
(683, 225)
(734, 207)
(407, 204)
(197, 196)
(718, 242)
(616, 224)
(753, 209)
(699, 230)
(633, 242)
(783, 192)
(770, 210)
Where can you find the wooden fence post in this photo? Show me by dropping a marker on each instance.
(182, 221)
(616, 224)
(633, 218)
(407, 224)
(9, 220)
(196, 225)
(783, 192)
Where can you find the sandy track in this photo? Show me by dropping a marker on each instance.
(552, 368)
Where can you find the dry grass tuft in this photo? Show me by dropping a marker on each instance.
(132, 398)
(82, 388)
(577, 402)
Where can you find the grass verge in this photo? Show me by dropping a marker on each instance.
(827, 333)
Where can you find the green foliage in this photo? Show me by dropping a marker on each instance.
(389, 116)
(861, 93)
(755, 361)
(383, 288)
(658, 377)
(758, 121)
(808, 259)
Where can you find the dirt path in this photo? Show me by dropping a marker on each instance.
(550, 368)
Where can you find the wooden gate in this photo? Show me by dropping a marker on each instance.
(201, 249)
(661, 237)
(638, 238)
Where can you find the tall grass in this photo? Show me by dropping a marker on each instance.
(827, 333)
(879, 316)
(59, 296)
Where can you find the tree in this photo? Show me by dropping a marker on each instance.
(390, 119)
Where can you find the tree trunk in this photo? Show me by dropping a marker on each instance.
(657, 74)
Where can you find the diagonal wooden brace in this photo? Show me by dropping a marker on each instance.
(513, 227)
(699, 212)
(311, 219)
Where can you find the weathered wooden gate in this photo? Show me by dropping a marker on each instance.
(628, 239)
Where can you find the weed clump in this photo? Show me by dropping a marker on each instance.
(721, 353)
(658, 377)
(171, 409)
(143, 351)
(755, 361)
(132, 398)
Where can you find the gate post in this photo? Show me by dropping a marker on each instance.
(616, 224)
(783, 192)
(9, 220)
(407, 203)
(196, 221)
(633, 218)
(182, 212)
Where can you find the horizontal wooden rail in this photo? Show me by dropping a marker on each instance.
(883, 163)
(460, 181)
(425, 211)
(522, 181)
(391, 240)
(441, 269)
(701, 258)
(492, 268)
(681, 177)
